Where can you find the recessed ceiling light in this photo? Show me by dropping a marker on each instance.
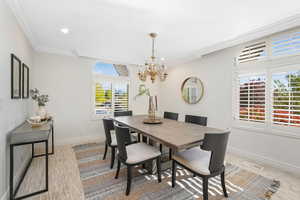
(65, 30)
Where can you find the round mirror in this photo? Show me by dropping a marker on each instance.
(192, 90)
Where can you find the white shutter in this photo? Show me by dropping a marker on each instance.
(287, 44)
(121, 97)
(286, 98)
(103, 98)
(252, 52)
(252, 95)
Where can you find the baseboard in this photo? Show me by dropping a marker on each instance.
(265, 160)
(5, 195)
(79, 140)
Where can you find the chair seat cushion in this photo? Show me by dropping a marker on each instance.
(139, 152)
(195, 159)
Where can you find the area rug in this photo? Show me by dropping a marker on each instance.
(99, 183)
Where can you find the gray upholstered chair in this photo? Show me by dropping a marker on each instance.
(196, 120)
(206, 162)
(111, 140)
(172, 116)
(134, 154)
(127, 113)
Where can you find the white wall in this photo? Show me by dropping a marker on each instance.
(12, 112)
(216, 71)
(68, 81)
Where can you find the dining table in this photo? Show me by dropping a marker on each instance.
(173, 134)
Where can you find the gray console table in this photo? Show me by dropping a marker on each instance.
(24, 135)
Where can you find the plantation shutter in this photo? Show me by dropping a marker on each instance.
(252, 52)
(252, 93)
(103, 97)
(286, 98)
(288, 44)
(121, 97)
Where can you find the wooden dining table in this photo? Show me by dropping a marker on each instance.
(176, 135)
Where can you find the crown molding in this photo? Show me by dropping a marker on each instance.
(18, 12)
(278, 26)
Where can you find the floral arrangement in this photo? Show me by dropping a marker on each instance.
(41, 99)
(143, 91)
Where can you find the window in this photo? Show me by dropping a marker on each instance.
(252, 52)
(267, 85)
(286, 98)
(252, 93)
(287, 44)
(111, 88)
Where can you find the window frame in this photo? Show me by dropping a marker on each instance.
(97, 77)
(269, 68)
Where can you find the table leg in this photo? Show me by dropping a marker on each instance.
(52, 132)
(11, 175)
(47, 165)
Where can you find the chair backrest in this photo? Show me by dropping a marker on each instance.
(217, 144)
(123, 113)
(196, 120)
(171, 115)
(108, 125)
(123, 138)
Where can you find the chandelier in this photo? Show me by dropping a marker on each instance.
(153, 67)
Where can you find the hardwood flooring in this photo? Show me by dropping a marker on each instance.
(65, 183)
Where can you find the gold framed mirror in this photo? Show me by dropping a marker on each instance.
(192, 90)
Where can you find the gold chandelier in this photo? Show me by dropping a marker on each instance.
(153, 67)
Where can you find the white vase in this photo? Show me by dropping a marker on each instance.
(42, 112)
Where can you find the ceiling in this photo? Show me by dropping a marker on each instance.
(116, 30)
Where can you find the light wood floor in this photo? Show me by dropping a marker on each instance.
(65, 183)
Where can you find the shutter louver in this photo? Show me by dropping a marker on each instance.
(288, 44)
(286, 98)
(252, 52)
(121, 97)
(252, 98)
(103, 98)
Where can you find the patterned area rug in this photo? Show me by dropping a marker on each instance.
(99, 183)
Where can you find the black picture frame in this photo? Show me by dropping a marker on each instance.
(25, 81)
(15, 77)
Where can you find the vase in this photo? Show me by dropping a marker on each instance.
(42, 112)
(151, 108)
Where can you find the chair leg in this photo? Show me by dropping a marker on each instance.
(223, 184)
(205, 188)
(158, 169)
(113, 150)
(139, 137)
(173, 173)
(105, 151)
(194, 175)
(118, 169)
(170, 154)
(128, 180)
(160, 148)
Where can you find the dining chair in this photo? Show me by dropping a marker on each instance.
(206, 161)
(123, 113)
(127, 113)
(172, 116)
(196, 120)
(111, 140)
(132, 154)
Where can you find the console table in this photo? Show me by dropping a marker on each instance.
(24, 135)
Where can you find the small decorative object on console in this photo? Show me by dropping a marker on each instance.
(41, 99)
